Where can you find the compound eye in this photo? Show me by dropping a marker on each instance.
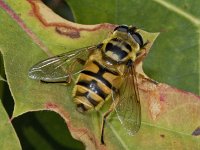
(138, 38)
(122, 28)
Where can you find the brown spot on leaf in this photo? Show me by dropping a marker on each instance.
(62, 26)
(151, 91)
(162, 97)
(69, 32)
(162, 136)
(50, 105)
(154, 105)
(196, 132)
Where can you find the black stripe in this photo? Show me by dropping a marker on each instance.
(103, 69)
(92, 85)
(91, 100)
(82, 107)
(116, 50)
(87, 96)
(128, 47)
(97, 76)
(116, 40)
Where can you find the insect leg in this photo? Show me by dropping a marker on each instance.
(52, 82)
(150, 80)
(141, 54)
(106, 114)
(103, 124)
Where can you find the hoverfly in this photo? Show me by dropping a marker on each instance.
(105, 71)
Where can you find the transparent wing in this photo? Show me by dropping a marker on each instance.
(128, 108)
(60, 67)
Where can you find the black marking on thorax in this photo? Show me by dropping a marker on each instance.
(116, 50)
(127, 45)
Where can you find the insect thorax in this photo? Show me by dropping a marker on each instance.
(119, 49)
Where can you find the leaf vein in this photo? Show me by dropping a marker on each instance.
(179, 11)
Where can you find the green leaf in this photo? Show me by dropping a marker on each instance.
(44, 130)
(8, 138)
(31, 31)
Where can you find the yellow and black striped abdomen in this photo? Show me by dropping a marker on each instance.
(93, 86)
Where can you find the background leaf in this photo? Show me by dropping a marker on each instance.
(44, 130)
(28, 30)
(8, 139)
